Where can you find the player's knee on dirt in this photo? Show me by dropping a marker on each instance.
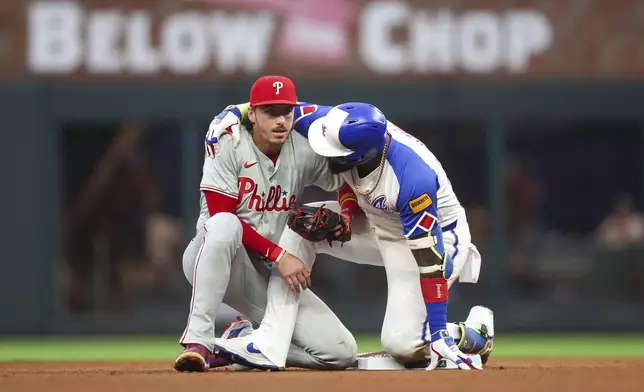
(224, 229)
(401, 348)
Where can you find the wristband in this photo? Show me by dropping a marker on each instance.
(280, 255)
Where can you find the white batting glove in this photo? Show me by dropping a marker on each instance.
(226, 122)
(446, 348)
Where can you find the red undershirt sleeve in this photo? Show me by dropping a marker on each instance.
(348, 201)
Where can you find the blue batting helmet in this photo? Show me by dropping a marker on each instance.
(352, 132)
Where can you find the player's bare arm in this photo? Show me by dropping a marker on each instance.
(429, 262)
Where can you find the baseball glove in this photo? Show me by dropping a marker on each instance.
(319, 223)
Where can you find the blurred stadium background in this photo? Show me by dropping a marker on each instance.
(534, 107)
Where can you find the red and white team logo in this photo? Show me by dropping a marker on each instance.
(305, 110)
(278, 86)
(277, 198)
(425, 223)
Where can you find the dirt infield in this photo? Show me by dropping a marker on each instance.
(543, 375)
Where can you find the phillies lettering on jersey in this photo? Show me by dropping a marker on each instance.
(275, 200)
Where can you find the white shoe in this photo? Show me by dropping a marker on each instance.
(238, 329)
(242, 351)
(481, 319)
(445, 348)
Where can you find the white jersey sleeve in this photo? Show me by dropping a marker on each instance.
(221, 171)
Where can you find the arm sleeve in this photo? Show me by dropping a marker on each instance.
(348, 200)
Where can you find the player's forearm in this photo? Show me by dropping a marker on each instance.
(256, 243)
(431, 258)
(429, 251)
(434, 265)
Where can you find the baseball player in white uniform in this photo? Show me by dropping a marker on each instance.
(246, 191)
(413, 225)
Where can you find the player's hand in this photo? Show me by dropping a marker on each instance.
(226, 122)
(295, 272)
(446, 348)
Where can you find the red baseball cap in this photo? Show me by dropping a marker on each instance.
(273, 90)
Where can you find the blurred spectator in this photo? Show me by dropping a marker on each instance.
(122, 234)
(623, 227)
(522, 200)
(522, 229)
(522, 277)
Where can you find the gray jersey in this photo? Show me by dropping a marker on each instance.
(264, 191)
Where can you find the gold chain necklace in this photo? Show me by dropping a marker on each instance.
(383, 159)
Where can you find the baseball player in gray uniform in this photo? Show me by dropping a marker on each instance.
(246, 191)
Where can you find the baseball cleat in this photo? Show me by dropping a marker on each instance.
(445, 348)
(242, 351)
(193, 359)
(238, 328)
(478, 329)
